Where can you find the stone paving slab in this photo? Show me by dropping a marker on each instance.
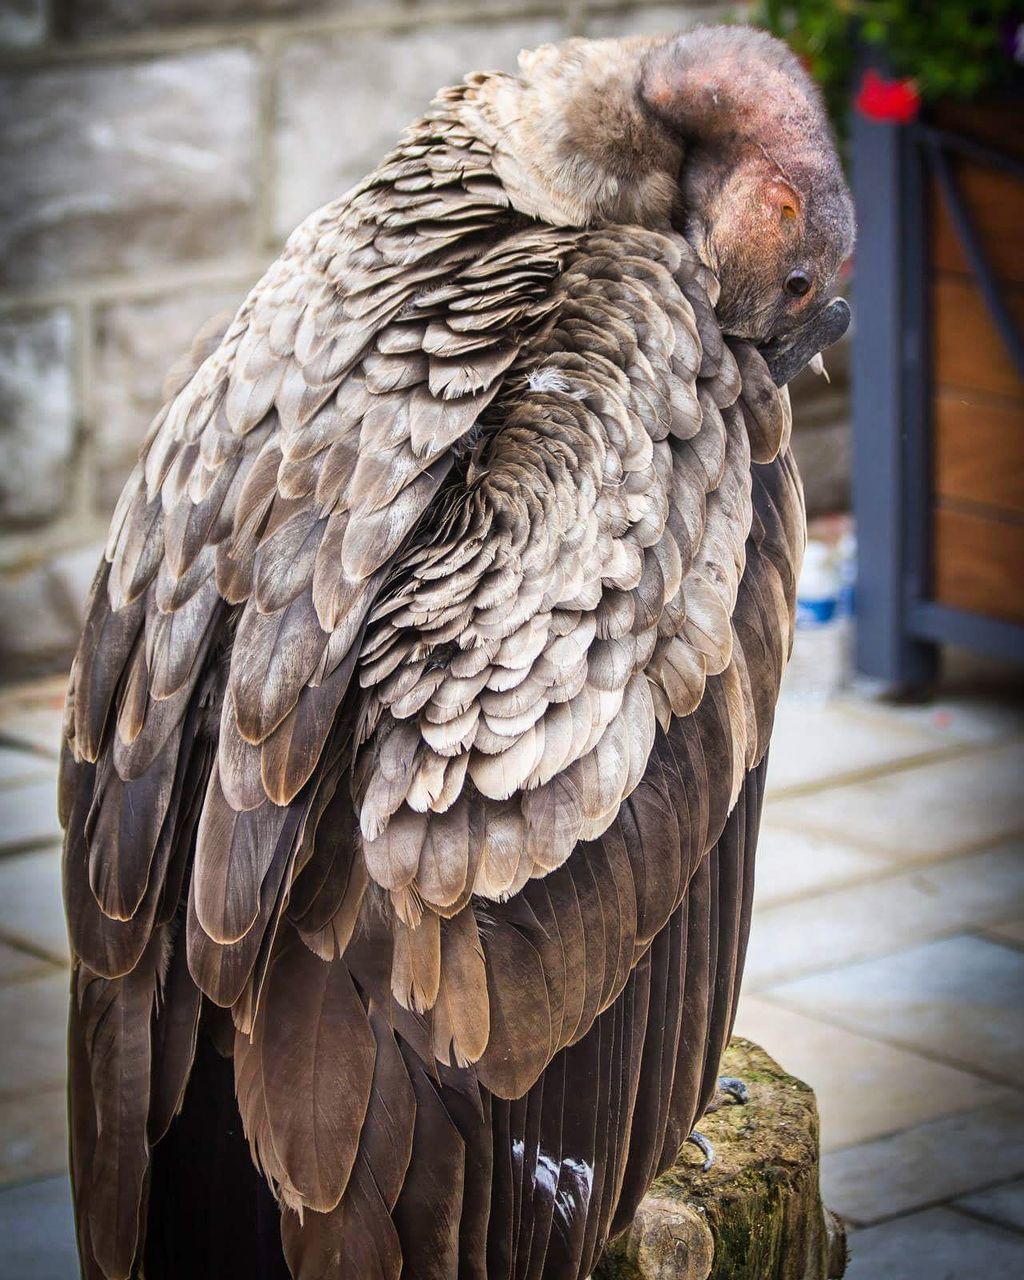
(928, 1164)
(815, 742)
(28, 814)
(16, 963)
(841, 926)
(967, 719)
(18, 765)
(924, 812)
(1004, 1204)
(38, 1231)
(865, 1089)
(795, 864)
(936, 1245)
(978, 700)
(31, 715)
(31, 908)
(1011, 932)
(960, 999)
(33, 1135)
(33, 1016)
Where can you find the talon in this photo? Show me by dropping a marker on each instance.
(735, 1089)
(704, 1146)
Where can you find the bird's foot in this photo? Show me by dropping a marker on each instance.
(728, 1087)
(704, 1146)
(734, 1088)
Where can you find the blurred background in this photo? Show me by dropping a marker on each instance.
(154, 154)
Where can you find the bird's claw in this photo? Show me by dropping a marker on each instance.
(704, 1146)
(735, 1089)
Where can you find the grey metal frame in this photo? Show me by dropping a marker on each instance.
(899, 628)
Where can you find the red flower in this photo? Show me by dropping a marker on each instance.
(888, 101)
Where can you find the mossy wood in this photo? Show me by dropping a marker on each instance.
(757, 1214)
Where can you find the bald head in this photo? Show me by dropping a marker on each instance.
(718, 131)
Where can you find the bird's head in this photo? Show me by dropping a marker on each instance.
(762, 197)
(718, 131)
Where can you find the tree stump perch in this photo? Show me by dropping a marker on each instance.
(757, 1213)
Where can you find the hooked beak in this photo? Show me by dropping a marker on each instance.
(786, 356)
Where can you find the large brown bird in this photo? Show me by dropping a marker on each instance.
(416, 741)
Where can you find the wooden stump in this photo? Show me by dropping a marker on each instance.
(757, 1213)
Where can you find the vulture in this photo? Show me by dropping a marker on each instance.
(415, 746)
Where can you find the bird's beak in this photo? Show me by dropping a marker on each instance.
(786, 356)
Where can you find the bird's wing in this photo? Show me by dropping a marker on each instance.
(292, 460)
(577, 589)
(414, 569)
(526, 1162)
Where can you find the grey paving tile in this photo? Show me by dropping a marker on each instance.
(923, 812)
(16, 963)
(813, 742)
(793, 863)
(1003, 1204)
(31, 907)
(33, 1016)
(35, 720)
(18, 765)
(928, 1164)
(957, 716)
(841, 926)
(33, 1135)
(865, 1089)
(1012, 932)
(38, 1231)
(28, 813)
(935, 1245)
(961, 999)
(977, 699)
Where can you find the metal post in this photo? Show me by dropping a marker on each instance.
(890, 453)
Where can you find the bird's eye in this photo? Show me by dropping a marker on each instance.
(797, 283)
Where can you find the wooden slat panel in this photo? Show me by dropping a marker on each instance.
(967, 351)
(999, 125)
(979, 450)
(995, 205)
(979, 564)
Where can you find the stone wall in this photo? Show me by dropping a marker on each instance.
(153, 156)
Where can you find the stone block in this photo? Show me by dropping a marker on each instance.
(42, 608)
(119, 167)
(22, 23)
(652, 20)
(88, 18)
(136, 343)
(343, 101)
(37, 415)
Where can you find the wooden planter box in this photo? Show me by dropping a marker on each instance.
(938, 388)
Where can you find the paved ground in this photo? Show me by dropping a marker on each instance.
(886, 968)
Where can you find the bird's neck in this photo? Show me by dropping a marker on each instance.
(571, 143)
